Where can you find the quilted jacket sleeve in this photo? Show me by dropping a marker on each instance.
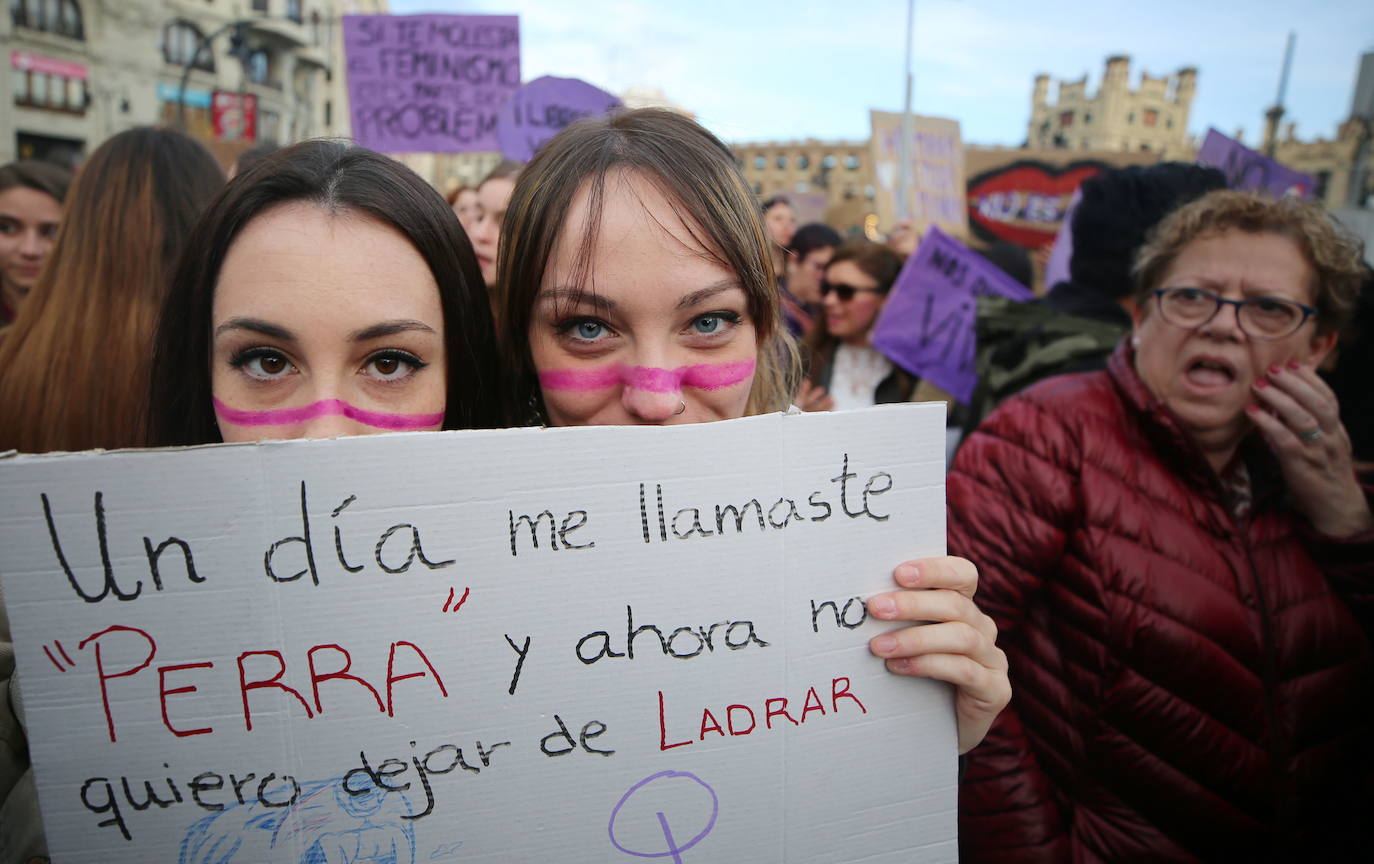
(1012, 498)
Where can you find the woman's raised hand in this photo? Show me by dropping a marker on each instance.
(959, 645)
(1299, 417)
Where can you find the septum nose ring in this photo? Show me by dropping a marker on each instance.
(681, 406)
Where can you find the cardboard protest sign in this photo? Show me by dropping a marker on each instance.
(927, 325)
(486, 646)
(539, 109)
(430, 83)
(1250, 171)
(937, 171)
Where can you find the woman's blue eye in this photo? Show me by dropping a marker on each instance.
(707, 323)
(589, 329)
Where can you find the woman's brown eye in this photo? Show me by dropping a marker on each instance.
(272, 365)
(387, 365)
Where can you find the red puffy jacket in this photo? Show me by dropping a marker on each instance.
(1187, 685)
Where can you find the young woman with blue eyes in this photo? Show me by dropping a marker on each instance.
(636, 288)
(334, 294)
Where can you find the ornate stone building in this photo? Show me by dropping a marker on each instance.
(835, 177)
(79, 71)
(1152, 118)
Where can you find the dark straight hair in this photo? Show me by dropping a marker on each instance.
(338, 178)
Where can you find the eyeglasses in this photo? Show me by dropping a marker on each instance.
(845, 292)
(1259, 317)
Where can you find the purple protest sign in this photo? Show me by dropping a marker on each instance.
(430, 83)
(1249, 171)
(927, 323)
(542, 107)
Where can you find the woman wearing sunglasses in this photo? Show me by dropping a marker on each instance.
(845, 370)
(1181, 565)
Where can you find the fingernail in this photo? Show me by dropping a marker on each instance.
(1275, 369)
(909, 575)
(901, 667)
(1293, 364)
(1260, 384)
(884, 645)
(882, 607)
(1252, 408)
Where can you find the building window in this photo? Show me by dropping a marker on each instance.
(293, 11)
(1130, 119)
(828, 160)
(62, 17)
(803, 161)
(760, 162)
(260, 6)
(802, 187)
(851, 162)
(781, 162)
(1168, 122)
(758, 188)
(1319, 191)
(328, 112)
(1065, 118)
(1087, 119)
(870, 193)
(45, 90)
(1151, 117)
(180, 42)
(258, 66)
(849, 191)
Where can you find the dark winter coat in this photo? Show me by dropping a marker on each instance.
(1188, 684)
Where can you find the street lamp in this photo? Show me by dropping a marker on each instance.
(238, 47)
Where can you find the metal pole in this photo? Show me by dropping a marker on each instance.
(904, 183)
(201, 45)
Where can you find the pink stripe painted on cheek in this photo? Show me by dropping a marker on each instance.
(324, 408)
(703, 376)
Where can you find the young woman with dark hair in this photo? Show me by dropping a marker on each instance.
(74, 365)
(638, 289)
(31, 196)
(328, 291)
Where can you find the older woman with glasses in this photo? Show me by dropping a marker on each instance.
(1180, 562)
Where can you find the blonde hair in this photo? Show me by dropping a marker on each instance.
(1331, 252)
(698, 174)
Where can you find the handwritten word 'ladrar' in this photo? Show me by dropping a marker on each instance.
(702, 376)
(325, 408)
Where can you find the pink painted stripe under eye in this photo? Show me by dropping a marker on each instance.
(322, 408)
(703, 376)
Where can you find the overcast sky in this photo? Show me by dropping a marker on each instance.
(767, 70)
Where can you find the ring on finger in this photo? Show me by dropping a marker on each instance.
(1313, 434)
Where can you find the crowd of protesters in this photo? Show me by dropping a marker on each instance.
(1158, 610)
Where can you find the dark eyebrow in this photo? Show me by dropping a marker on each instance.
(708, 292)
(572, 296)
(389, 328)
(256, 325)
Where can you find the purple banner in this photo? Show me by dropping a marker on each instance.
(430, 83)
(927, 324)
(542, 107)
(1249, 171)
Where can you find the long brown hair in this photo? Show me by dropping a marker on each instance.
(74, 365)
(698, 174)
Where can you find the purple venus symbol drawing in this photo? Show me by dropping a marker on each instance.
(662, 782)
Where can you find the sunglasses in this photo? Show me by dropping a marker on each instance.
(844, 292)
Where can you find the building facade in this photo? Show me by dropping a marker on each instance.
(1151, 118)
(232, 73)
(832, 177)
(1343, 167)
